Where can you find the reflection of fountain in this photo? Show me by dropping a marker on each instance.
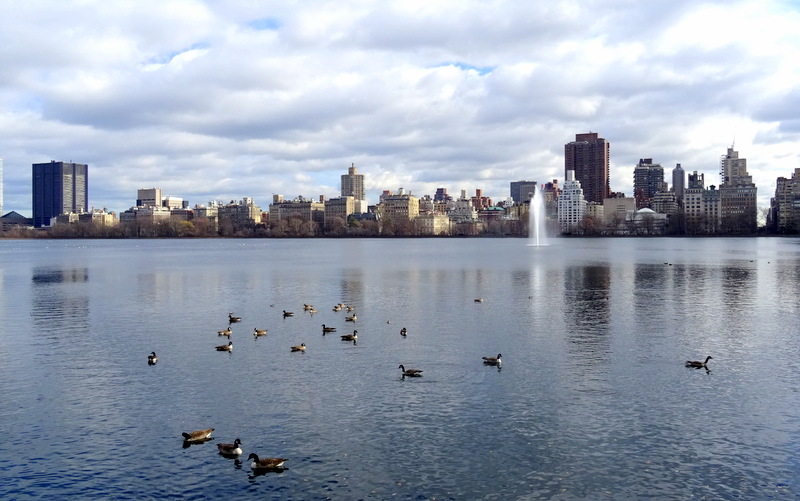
(536, 219)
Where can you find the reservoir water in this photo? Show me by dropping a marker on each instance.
(592, 400)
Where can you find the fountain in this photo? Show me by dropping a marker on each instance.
(536, 219)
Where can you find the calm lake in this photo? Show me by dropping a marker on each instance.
(592, 400)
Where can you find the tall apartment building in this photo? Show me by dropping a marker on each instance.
(521, 191)
(588, 158)
(571, 204)
(353, 186)
(58, 188)
(785, 206)
(648, 179)
(678, 183)
(701, 206)
(737, 195)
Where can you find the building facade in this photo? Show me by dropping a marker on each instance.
(353, 186)
(678, 183)
(648, 179)
(738, 204)
(588, 158)
(571, 204)
(59, 188)
(521, 191)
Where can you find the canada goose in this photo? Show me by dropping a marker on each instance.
(326, 329)
(287, 314)
(337, 308)
(233, 449)
(233, 319)
(351, 308)
(197, 436)
(351, 318)
(312, 311)
(259, 332)
(410, 372)
(225, 332)
(225, 347)
(479, 300)
(152, 359)
(307, 307)
(696, 364)
(403, 332)
(493, 360)
(350, 337)
(300, 347)
(265, 463)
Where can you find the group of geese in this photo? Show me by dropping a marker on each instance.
(233, 451)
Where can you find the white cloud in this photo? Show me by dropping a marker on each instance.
(212, 100)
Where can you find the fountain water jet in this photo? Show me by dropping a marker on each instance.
(536, 219)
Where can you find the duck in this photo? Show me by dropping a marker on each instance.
(326, 329)
(287, 314)
(350, 337)
(403, 332)
(696, 364)
(259, 332)
(152, 359)
(300, 347)
(233, 449)
(493, 360)
(351, 318)
(225, 347)
(225, 332)
(265, 463)
(478, 299)
(233, 319)
(410, 372)
(197, 436)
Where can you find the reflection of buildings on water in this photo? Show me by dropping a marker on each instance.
(57, 306)
(586, 306)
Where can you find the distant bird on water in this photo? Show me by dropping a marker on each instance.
(259, 332)
(152, 359)
(410, 372)
(403, 332)
(300, 347)
(696, 364)
(479, 300)
(231, 450)
(493, 360)
(287, 314)
(350, 337)
(351, 318)
(265, 463)
(197, 436)
(225, 347)
(326, 329)
(225, 332)
(233, 319)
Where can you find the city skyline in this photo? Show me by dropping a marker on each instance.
(218, 101)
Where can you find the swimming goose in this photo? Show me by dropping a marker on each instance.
(225, 347)
(307, 307)
(337, 308)
(259, 332)
(410, 372)
(287, 314)
(300, 347)
(351, 318)
(312, 311)
(233, 449)
(326, 330)
(350, 337)
(197, 436)
(265, 463)
(493, 360)
(696, 364)
(233, 319)
(152, 359)
(479, 300)
(403, 332)
(225, 332)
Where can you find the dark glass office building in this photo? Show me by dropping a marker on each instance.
(58, 188)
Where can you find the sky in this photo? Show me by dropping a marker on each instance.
(220, 100)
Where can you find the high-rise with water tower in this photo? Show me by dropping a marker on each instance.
(588, 158)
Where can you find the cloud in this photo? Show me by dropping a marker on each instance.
(211, 100)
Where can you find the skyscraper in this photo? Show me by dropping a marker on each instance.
(521, 190)
(58, 188)
(571, 204)
(737, 195)
(678, 183)
(648, 179)
(588, 157)
(353, 186)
